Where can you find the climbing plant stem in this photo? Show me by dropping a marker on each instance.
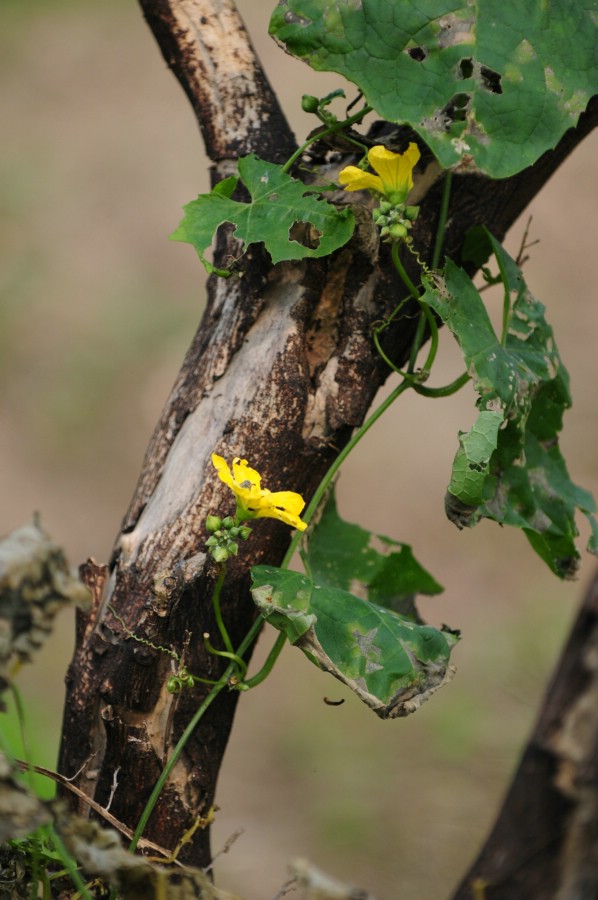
(442, 219)
(337, 126)
(332, 471)
(181, 743)
(217, 612)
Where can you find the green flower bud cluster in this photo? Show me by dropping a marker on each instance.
(393, 221)
(224, 534)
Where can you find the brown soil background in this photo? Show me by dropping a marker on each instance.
(99, 153)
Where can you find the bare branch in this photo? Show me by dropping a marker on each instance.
(206, 45)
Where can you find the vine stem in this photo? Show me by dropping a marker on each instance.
(180, 745)
(218, 614)
(442, 219)
(439, 240)
(225, 655)
(330, 474)
(321, 134)
(426, 316)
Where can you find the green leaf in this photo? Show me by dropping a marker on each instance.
(392, 663)
(472, 462)
(493, 81)
(343, 555)
(523, 392)
(284, 213)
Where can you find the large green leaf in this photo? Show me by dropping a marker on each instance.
(344, 555)
(284, 213)
(496, 81)
(509, 466)
(392, 663)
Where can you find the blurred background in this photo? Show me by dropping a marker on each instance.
(99, 152)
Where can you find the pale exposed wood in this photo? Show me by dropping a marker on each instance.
(207, 46)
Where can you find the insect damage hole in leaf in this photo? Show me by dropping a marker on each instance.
(465, 68)
(306, 234)
(417, 53)
(456, 108)
(490, 80)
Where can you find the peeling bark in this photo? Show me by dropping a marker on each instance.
(281, 370)
(206, 45)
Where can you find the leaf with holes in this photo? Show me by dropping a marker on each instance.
(392, 663)
(344, 555)
(472, 462)
(284, 213)
(523, 392)
(486, 83)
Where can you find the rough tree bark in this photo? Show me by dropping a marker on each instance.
(281, 370)
(544, 844)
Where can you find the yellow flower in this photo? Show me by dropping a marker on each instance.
(395, 173)
(256, 502)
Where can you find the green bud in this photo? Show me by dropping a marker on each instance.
(412, 212)
(220, 554)
(309, 103)
(229, 522)
(384, 231)
(385, 206)
(213, 523)
(380, 220)
(244, 532)
(398, 230)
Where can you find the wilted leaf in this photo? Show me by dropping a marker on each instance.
(392, 663)
(35, 583)
(101, 854)
(523, 392)
(21, 812)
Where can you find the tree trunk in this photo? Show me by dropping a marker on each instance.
(544, 843)
(280, 372)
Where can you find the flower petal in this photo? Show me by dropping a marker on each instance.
(221, 466)
(355, 179)
(255, 502)
(288, 500)
(395, 170)
(282, 515)
(245, 477)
